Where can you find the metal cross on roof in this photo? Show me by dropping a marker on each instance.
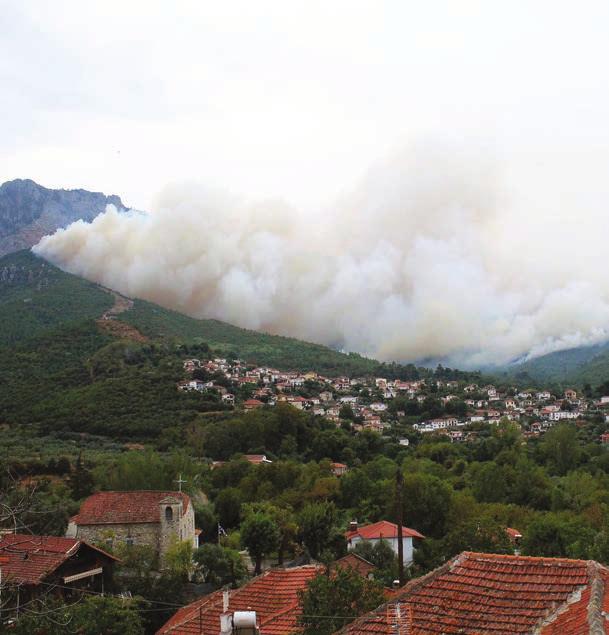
(179, 482)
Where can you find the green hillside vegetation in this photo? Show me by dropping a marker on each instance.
(260, 348)
(576, 366)
(39, 296)
(77, 379)
(61, 372)
(36, 296)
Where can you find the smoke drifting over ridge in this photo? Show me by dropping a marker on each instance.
(437, 254)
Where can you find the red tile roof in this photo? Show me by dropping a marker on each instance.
(479, 593)
(357, 563)
(382, 529)
(30, 559)
(256, 459)
(273, 595)
(253, 403)
(513, 533)
(125, 507)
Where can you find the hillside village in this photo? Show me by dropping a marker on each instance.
(380, 405)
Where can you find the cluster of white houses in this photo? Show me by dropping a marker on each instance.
(368, 398)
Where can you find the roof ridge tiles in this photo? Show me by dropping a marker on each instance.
(498, 594)
(515, 560)
(595, 605)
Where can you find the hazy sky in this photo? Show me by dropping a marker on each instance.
(289, 98)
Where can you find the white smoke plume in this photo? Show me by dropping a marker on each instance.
(439, 253)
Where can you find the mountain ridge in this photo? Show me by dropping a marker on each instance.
(29, 211)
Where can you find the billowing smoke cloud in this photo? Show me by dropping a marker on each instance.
(439, 253)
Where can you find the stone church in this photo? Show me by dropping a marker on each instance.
(152, 518)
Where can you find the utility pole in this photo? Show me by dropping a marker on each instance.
(399, 482)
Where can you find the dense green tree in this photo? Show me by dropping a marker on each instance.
(558, 535)
(561, 447)
(332, 601)
(92, 615)
(228, 507)
(260, 536)
(531, 485)
(220, 566)
(81, 481)
(285, 521)
(382, 556)
(426, 500)
(482, 533)
(491, 482)
(178, 559)
(316, 526)
(346, 412)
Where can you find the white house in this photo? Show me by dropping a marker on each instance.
(559, 415)
(383, 530)
(378, 406)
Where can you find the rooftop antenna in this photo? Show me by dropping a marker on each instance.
(180, 481)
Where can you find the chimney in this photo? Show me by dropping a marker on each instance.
(226, 619)
(226, 624)
(353, 525)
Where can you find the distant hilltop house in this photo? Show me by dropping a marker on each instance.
(36, 565)
(252, 404)
(152, 518)
(338, 469)
(191, 364)
(195, 384)
(254, 459)
(383, 530)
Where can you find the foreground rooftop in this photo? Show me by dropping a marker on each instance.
(476, 593)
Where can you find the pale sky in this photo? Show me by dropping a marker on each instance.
(293, 99)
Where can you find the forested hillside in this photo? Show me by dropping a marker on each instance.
(577, 366)
(64, 368)
(36, 296)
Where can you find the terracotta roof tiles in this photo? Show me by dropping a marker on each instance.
(125, 507)
(30, 559)
(493, 594)
(382, 529)
(273, 595)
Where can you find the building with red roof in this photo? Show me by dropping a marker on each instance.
(34, 565)
(477, 593)
(256, 459)
(514, 535)
(384, 530)
(273, 596)
(143, 517)
(356, 563)
(252, 404)
(338, 469)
